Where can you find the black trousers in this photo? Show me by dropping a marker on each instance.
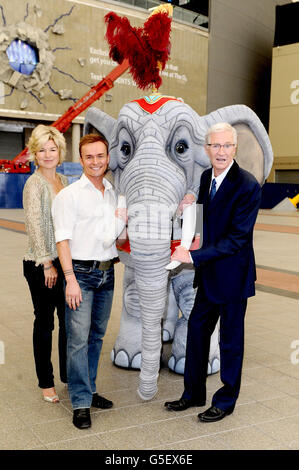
(45, 300)
(201, 324)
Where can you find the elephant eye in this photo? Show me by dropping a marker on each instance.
(181, 146)
(125, 149)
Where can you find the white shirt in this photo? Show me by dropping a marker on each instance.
(82, 215)
(220, 177)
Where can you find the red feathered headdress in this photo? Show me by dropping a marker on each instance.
(147, 49)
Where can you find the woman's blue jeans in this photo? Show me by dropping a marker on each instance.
(85, 329)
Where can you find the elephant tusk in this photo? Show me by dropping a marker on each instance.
(188, 230)
(119, 224)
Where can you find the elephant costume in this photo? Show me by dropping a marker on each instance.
(157, 155)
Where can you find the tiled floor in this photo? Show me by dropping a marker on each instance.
(267, 412)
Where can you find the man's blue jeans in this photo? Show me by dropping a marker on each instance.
(85, 329)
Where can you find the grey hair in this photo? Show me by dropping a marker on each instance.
(220, 127)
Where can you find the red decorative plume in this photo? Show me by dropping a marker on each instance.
(147, 49)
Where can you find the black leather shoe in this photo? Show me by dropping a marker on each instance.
(81, 418)
(101, 402)
(182, 404)
(213, 414)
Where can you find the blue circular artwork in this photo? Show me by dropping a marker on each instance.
(22, 56)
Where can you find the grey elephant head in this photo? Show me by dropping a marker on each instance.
(157, 155)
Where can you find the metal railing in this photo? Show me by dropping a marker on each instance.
(181, 14)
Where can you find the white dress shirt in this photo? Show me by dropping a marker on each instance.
(220, 177)
(82, 215)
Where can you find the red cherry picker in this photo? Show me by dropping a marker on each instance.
(20, 163)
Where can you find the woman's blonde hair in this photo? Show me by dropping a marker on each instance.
(40, 136)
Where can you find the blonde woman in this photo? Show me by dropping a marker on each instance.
(42, 269)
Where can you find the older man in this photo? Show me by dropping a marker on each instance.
(224, 273)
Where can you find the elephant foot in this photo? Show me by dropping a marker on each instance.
(213, 366)
(179, 366)
(166, 336)
(122, 359)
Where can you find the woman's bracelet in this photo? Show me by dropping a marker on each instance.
(48, 267)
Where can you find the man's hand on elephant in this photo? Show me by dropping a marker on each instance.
(181, 254)
(187, 200)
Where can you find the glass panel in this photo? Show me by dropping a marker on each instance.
(182, 14)
(22, 56)
(287, 176)
(11, 144)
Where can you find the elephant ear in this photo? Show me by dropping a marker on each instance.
(254, 152)
(104, 124)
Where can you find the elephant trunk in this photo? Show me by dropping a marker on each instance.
(154, 186)
(150, 233)
(151, 279)
(152, 297)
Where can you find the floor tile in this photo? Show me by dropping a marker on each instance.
(18, 439)
(267, 411)
(284, 430)
(59, 430)
(82, 443)
(249, 438)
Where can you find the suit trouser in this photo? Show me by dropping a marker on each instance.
(202, 322)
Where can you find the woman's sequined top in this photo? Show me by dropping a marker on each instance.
(38, 196)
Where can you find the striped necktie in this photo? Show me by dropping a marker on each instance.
(213, 189)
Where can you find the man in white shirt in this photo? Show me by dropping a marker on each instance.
(83, 213)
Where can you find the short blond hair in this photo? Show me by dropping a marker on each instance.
(40, 136)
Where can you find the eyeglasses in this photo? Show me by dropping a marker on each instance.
(218, 146)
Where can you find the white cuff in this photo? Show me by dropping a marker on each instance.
(61, 235)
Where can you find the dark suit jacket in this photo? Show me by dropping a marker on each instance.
(225, 264)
